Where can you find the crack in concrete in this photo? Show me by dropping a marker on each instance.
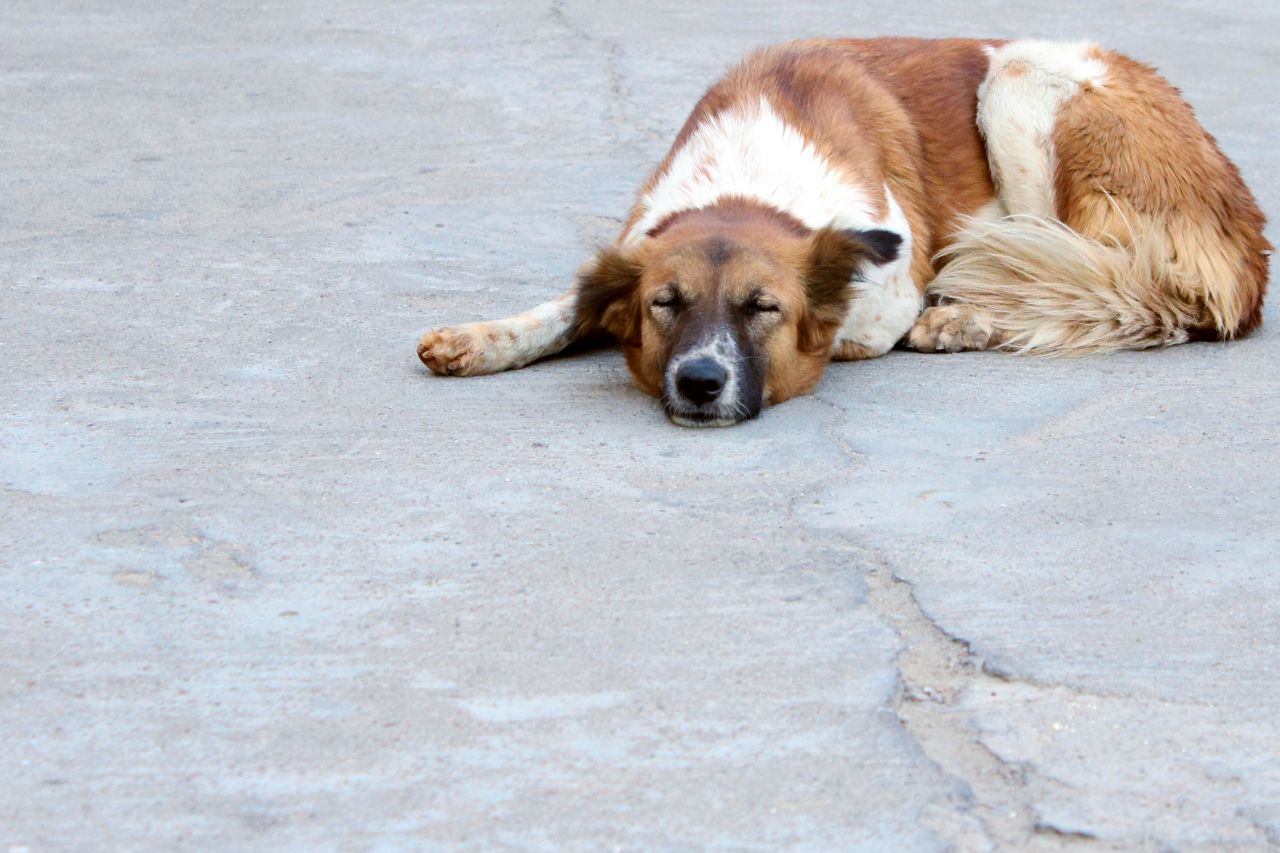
(936, 669)
(1006, 676)
(1063, 834)
(621, 95)
(829, 430)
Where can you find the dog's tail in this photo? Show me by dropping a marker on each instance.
(1051, 290)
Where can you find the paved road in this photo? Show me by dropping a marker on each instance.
(266, 585)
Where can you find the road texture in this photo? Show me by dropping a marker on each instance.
(267, 585)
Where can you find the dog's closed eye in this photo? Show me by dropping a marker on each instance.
(669, 298)
(761, 305)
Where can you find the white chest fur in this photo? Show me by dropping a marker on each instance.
(887, 301)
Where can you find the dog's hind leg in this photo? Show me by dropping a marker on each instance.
(1018, 107)
(1128, 227)
(492, 346)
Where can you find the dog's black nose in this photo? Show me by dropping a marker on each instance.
(701, 380)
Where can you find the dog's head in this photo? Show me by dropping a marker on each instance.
(725, 309)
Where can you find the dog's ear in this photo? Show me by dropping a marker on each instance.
(606, 296)
(835, 258)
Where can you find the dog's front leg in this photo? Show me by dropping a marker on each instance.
(492, 346)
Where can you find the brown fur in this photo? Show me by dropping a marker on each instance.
(1156, 238)
(808, 276)
(888, 111)
(1133, 160)
(894, 110)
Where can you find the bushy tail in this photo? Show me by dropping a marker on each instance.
(1053, 291)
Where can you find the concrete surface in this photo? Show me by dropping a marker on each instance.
(267, 585)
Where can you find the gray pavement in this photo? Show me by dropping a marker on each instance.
(267, 585)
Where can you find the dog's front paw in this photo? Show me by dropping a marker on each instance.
(951, 328)
(451, 352)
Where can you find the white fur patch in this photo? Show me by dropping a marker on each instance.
(992, 211)
(888, 300)
(750, 152)
(1018, 103)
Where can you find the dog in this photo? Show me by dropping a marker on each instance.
(830, 199)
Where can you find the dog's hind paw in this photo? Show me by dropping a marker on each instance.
(952, 328)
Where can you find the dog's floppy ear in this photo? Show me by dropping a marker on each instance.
(606, 291)
(835, 257)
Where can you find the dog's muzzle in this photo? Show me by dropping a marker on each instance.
(710, 387)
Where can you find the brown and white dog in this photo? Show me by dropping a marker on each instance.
(1041, 197)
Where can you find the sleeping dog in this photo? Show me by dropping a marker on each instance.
(830, 199)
